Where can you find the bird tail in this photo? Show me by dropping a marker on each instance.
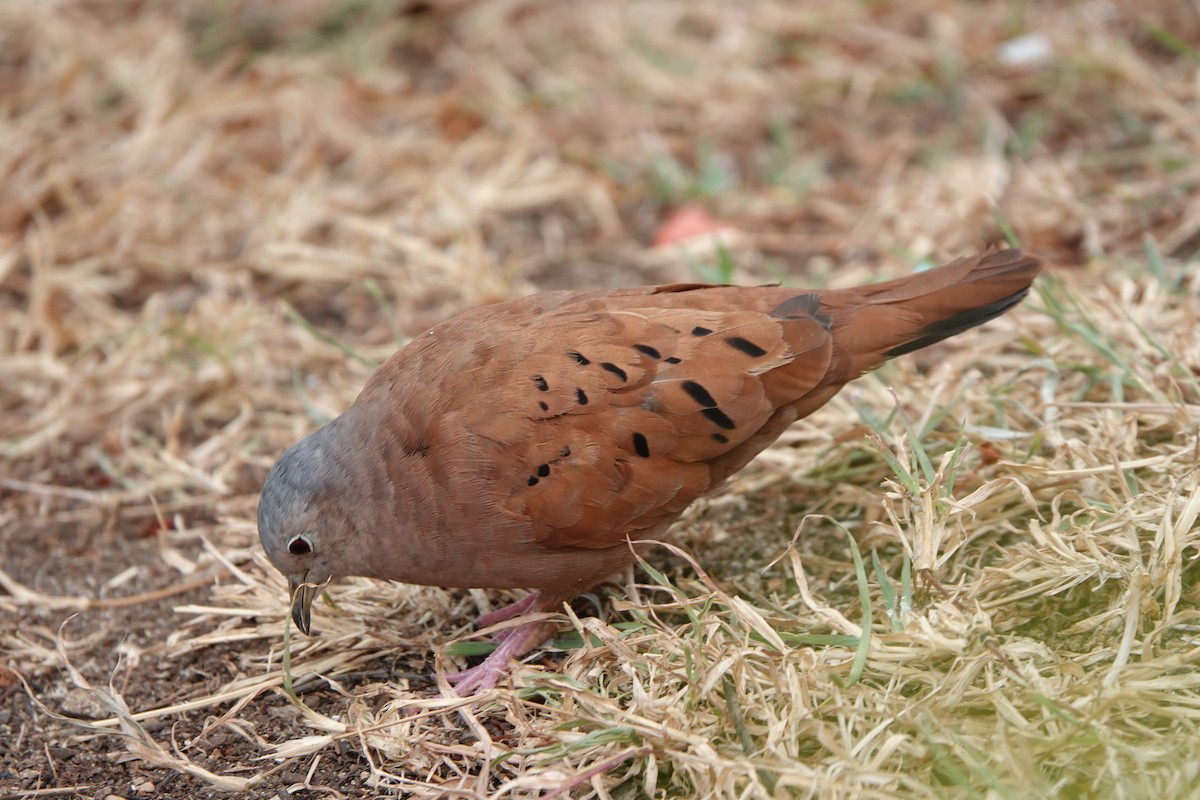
(889, 319)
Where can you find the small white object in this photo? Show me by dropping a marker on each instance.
(1025, 51)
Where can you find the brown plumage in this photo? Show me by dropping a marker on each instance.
(520, 445)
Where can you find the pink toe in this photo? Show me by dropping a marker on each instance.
(483, 677)
(513, 643)
(509, 611)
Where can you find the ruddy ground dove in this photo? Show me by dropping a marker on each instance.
(524, 444)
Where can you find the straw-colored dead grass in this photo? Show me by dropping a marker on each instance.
(216, 217)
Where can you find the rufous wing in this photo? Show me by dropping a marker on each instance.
(627, 411)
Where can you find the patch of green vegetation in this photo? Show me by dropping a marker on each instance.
(781, 162)
(673, 182)
(1173, 43)
(718, 269)
(1032, 128)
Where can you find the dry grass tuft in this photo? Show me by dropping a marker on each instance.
(216, 217)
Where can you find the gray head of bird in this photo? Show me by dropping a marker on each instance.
(298, 523)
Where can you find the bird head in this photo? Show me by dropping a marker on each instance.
(294, 524)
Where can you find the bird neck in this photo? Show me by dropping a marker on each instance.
(379, 487)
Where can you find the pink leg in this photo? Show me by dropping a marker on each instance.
(516, 641)
(509, 611)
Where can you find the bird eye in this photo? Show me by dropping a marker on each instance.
(299, 546)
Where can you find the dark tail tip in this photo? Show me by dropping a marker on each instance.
(957, 323)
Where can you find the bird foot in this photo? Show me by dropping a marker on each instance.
(509, 611)
(482, 677)
(512, 642)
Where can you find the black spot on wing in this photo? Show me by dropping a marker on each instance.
(745, 346)
(540, 383)
(615, 370)
(543, 470)
(699, 394)
(672, 360)
(581, 397)
(578, 357)
(700, 330)
(719, 418)
(641, 446)
(648, 350)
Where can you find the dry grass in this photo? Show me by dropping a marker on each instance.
(991, 589)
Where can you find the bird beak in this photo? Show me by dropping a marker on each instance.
(302, 594)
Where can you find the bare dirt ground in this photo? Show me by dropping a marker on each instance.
(216, 217)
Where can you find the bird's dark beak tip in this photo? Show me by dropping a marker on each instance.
(302, 594)
(301, 618)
